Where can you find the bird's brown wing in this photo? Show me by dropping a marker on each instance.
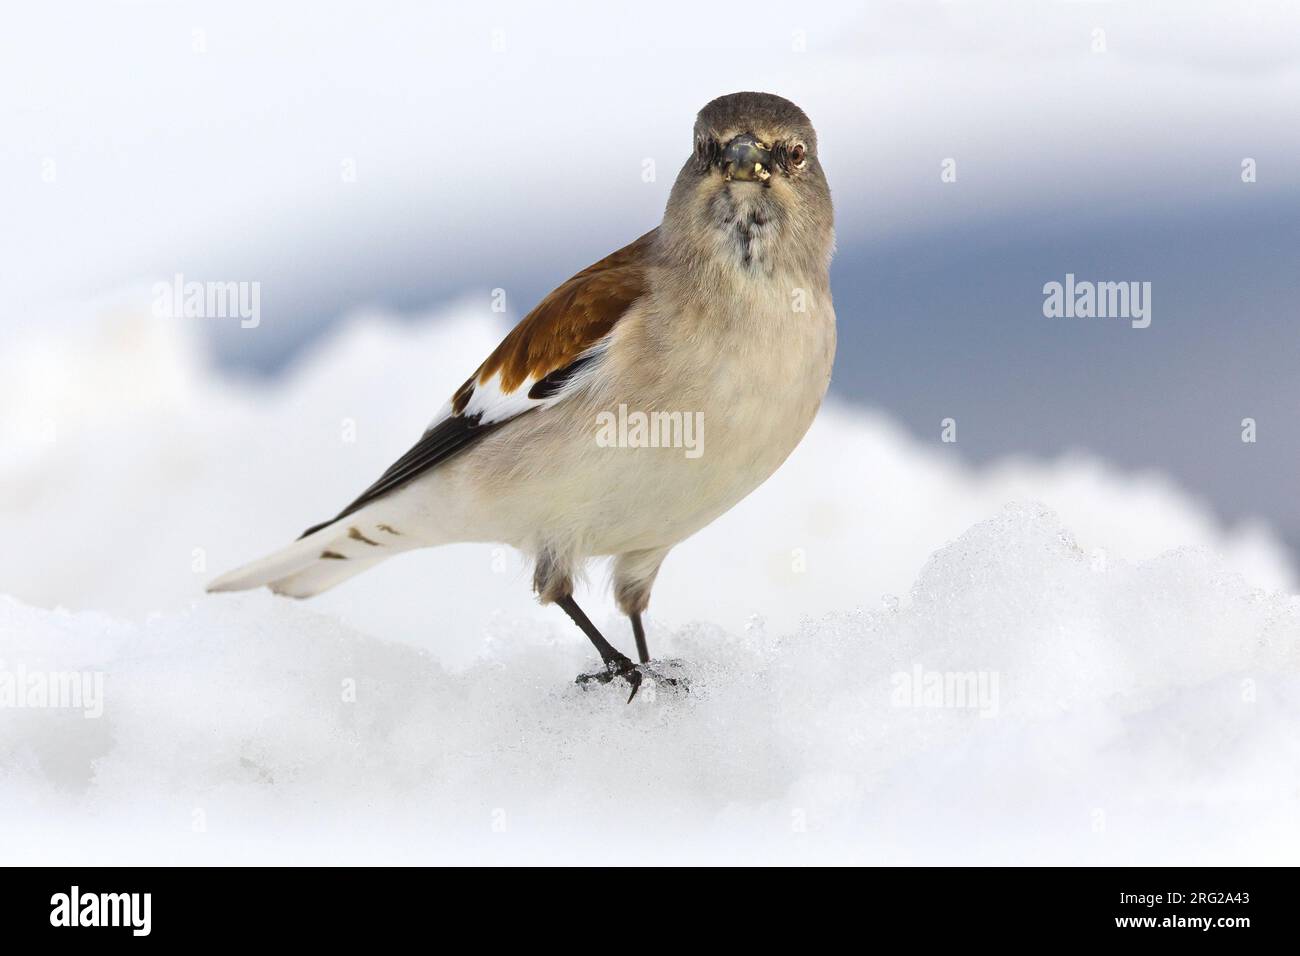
(565, 324)
(529, 369)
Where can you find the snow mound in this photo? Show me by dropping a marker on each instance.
(1123, 691)
(1028, 701)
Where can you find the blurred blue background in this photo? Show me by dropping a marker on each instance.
(351, 155)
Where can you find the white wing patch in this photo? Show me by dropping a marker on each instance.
(491, 404)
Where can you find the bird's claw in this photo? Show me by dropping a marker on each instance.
(615, 667)
(634, 674)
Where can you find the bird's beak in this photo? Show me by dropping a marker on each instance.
(746, 158)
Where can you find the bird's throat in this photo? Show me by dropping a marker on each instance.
(749, 223)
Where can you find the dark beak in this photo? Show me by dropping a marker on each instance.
(746, 158)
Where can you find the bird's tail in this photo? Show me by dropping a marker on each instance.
(317, 562)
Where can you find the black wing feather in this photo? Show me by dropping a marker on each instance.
(548, 386)
(442, 441)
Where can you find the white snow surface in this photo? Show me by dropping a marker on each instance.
(1139, 660)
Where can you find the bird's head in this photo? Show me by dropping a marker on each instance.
(753, 194)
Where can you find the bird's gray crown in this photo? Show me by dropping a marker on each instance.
(752, 112)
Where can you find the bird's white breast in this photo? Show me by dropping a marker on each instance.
(752, 369)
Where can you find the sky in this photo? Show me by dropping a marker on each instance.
(407, 156)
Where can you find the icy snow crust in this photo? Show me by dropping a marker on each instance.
(1137, 699)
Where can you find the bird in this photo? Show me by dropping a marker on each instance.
(721, 317)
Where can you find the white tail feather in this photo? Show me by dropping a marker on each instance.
(321, 560)
(321, 576)
(286, 561)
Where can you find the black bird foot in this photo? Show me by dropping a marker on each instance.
(615, 667)
(634, 674)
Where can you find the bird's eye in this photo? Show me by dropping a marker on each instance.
(798, 155)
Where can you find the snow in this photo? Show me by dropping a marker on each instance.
(1131, 663)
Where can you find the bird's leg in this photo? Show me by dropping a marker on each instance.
(643, 652)
(634, 576)
(617, 664)
(638, 632)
